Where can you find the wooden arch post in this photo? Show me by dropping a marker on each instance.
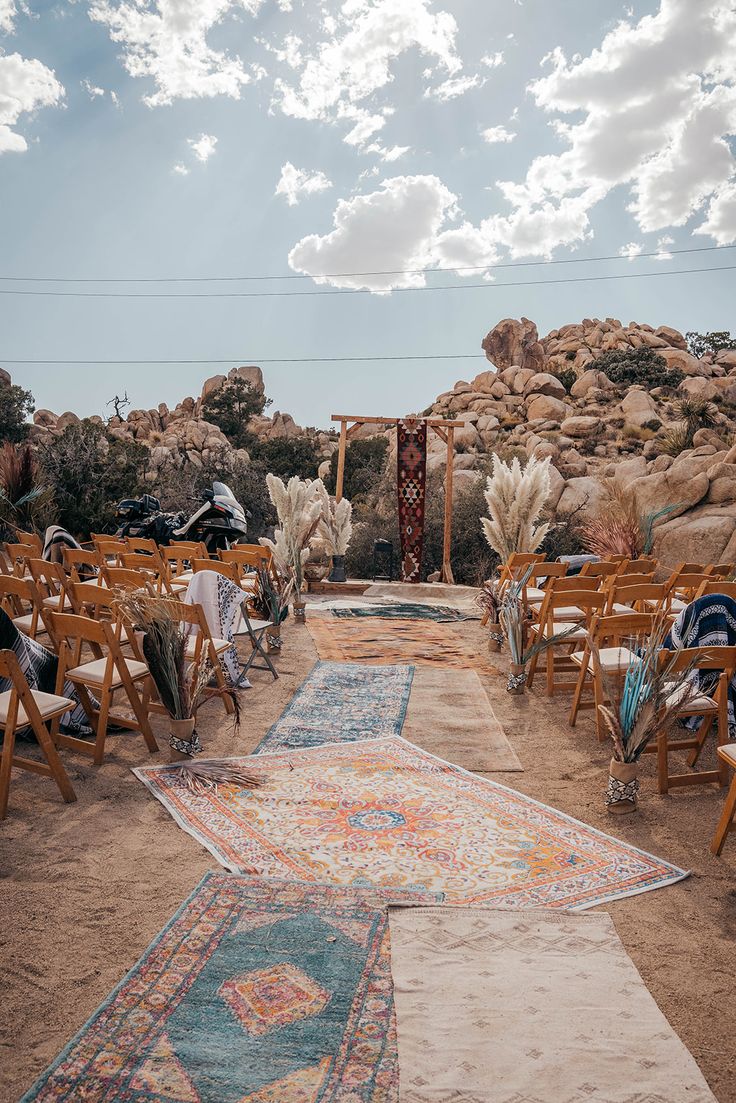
(444, 429)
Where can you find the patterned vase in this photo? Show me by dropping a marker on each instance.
(623, 787)
(300, 611)
(181, 732)
(516, 683)
(273, 638)
(495, 636)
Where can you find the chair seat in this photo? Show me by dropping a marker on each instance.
(728, 754)
(533, 593)
(576, 631)
(565, 612)
(25, 623)
(611, 659)
(621, 610)
(53, 603)
(93, 673)
(220, 646)
(257, 625)
(48, 705)
(677, 605)
(701, 703)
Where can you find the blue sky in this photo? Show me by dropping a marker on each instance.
(157, 138)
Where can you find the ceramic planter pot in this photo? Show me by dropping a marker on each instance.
(337, 574)
(623, 787)
(273, 638)
(516, 683)
(180, 733)
(300, 611)
(495, 636)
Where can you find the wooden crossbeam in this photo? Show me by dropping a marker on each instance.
(393, 420)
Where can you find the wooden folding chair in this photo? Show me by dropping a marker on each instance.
(256, 630)
(645, 565)
(721, 570)
(711, 705)
(727, 754)
(31, 538)
(581, 604)
(562, 585)
(19, 555)
(51, 583)
(21, 707)
(151, 566)
(516, 563)
(683, 586)
(203, 646)
(728, 589)
(21, 600)
(109, 548)
(126, 579)
(601, 569)
(249, 558)
(81, 565)
(142, 544)
(104, 675)
(228, 570)
(542, 572)
(609, 650)
(177, 559)
(639, 597)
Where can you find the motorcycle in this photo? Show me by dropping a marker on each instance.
(219, 522)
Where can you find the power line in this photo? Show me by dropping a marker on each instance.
(358, 290)
(261, 360)
(384, 272)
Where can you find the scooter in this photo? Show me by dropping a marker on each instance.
(219, 522)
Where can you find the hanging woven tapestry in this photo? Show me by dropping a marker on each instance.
(412, 477)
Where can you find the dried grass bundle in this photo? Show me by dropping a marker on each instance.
(647, 699)
(516, 497)
(619, 528)
(207, 777)
(335, 524)
(490, 598)
(299, 510)
(513, 620)
(270, 601)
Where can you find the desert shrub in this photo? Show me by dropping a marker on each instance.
(15, 406)
(566, 376)
(231, 407)
(25, 502)
(696, 413)
(365, 462)
(701, 343)
(625, 367)
(563, 538)
(287, 456)
(180, 487)
(88, 472)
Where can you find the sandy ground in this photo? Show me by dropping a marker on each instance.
(85, 887)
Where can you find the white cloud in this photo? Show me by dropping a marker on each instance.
(395, 227)
(25, 85)
(632, 250)
(203, 147)
(663, 244)
(354, 59)
(720, 221)
(92, 90)
(166, 40)
(493, 61)
(658, 101)
(498, 134)
(391, 154)
(7, 15)
(450, 89)
(295, 183)
(180, 170)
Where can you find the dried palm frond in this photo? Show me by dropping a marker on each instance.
(270, 601)
(489, 599)
(511, 614)
(22, 498)
(648, 697)
(516, 497)
(335, 524)
(202, 778)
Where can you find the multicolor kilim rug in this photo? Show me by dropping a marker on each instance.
(514, 1007)
(384, 812)
(411, 438)
(372, 640)
(408, 610)
(255, 992)
(342, 702)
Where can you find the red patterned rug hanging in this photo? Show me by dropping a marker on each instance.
(412, 477)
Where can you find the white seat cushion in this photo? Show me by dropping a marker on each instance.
(621, 610)
(53, 603)
(579, 631)
(25, 623)
(48, 705)
(679, 693)
(728, 751)
(220, 645)
(534, 594)
(93, 673)
(677, 605)
(612, 659)
(257, 625)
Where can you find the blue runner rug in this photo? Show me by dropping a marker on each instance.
(342, 703)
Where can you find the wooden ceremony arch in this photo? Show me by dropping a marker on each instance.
(444, 429)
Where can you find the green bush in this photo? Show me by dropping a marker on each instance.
(88, 472)
(287, 456)
(231, 407)
(178, 486)
(701, 343)
(625, 367)
(566, 376)
(15, 406)
(365, 461)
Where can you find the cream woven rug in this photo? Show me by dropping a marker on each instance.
(528, 1007)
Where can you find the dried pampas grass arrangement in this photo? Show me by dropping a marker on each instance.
(299, 509)
(335, 524)
(203, 778)
(516, 497)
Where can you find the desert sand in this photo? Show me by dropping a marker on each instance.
(85, 887)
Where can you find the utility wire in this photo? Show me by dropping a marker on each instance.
(260, 360)
(357, 290)
(339, 275)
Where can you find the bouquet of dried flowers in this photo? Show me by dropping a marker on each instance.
(514, 623)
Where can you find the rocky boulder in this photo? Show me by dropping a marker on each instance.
(512, 342)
